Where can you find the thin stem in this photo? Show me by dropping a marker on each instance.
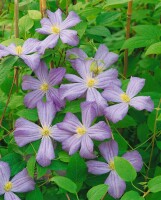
(43, 8)
(67, 196)
(77, 196)
(129, 13)
(137, 188)
(107, 122)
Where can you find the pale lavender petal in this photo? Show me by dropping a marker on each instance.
(110, 59)
(112, 93)
(116, 185)
(46, 112)
(22, 182)
(89, 113)
(26, 132)
(56, 75)
(11, 49)
(135, 159)
(86, 150)
(94, 95)
(46, 152)
(99, 131)
(54, 95)
(11, 196)
(70, 37)
(71, 20)
(141, 103)
(3, 51)
(102, 52)
(76, 53)
(46, 27)
(30, 45)
(50, 42)
(30, 83)
(32, 61)
(72, 144)
(83, 68)
(109, 150)
(72, 91)
(70, 123)
(55, 17)
(59, 134)
(32, 98)
(107, 77)
(97, 167)
(42, 72)
(74, 78)
(134, 86)
(4, 175)
(116, 112)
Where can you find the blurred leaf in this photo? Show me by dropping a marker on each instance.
(29, 114)
(114, 2)
(34, 195)
(97, 192)
(25, 24)
(154, 184)
(132, 195)
(31, 166)
(34, 14)
(154, 49)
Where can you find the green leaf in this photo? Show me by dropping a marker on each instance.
(34, 14)
(108, 17)
(30, 114)
(65, 183)
(5, 67)
(64, 156)
(115, 2)
(99, 30)
(97, 192)
(34, 195)
(31, 166)
(126, 122)
(154, 184)
(16, 41)
(73, 107)
(154, 49)
(25, 24)
(124, 169)
(132, 195)
(77, 169)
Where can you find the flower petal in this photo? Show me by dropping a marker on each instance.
(46, 112)
(134, 86)
(11, 196)
(56, 75)
(109, 150)
(11, 49)
(74, 78)
(32, 98)
(135, 159)
(141, 103)
(30, 83)
(30, 45)
(86, 150)
(94, 95)
(26, 132)
(116, 185)
(89, 113)
(97, 167)
(76, 53)
(70, 37)
(72, 144)
(42, 72)
(50, 42)
(3, 51)
(46, 27)
(116, 112)
(71, 20)
(112, 93)
(46, 152)
(72, 91)
(32, 61)
(70, 123)
(4, 175)
(55, 17)
(99, 131)
(83, 68)
(22, 182)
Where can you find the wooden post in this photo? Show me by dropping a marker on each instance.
(43, 8)
(129, 13)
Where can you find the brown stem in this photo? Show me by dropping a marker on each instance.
(129, 13)
(43, 8)
(67, 196)
(9, 97)
(74, 2)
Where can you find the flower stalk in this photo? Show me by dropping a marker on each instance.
(43, 8)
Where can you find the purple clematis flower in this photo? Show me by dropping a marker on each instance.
(115, 94)
(88, 84)
(75, 135)
(26, 132)
(109, 150)
(56, 28)
(24, 52)
(43, 86)
(101, 61)
(21, 182)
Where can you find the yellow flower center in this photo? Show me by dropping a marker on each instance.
(91, 82)
(55, 29)
(125, 98)
(45, 131)
(44, 87)
(81, 130)
(112, 165)
(19, 50)
(8, 186)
